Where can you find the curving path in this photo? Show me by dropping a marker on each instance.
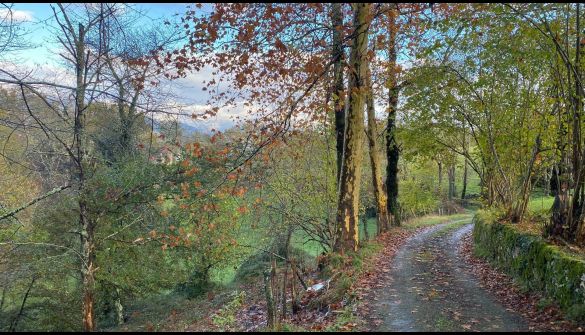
(431, 288)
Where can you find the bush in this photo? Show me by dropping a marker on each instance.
(417, 198)
(197, 284)
(577, 313)
(258, 262)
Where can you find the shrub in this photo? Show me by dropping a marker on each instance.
(258, 262)
(197, 284)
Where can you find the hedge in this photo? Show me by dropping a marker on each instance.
(533, 263)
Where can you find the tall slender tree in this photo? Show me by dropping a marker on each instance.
(338, 84)
(348, 204)
(392, 149)
(372, 134)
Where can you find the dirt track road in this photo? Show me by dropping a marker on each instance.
(431, 289)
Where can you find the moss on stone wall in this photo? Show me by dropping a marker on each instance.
(532, 262)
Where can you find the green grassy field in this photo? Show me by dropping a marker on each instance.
(540, 202)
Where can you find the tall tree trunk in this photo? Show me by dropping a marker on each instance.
(124, 140)
(451, 177)
(88, 268)
(392, 150)
(286, 265)
(348, 203)
(440, 187)
(295, 297)
(580, 227)
(372, 134)
(453, 181)
(270, 304)
(522, 199)
(85, 221)
(338, 99)
(464, 187)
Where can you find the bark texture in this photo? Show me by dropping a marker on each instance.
(392, 150)
(348, 202)
(338, 87)
(372, 134)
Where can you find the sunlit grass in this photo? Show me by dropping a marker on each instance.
(540, 203)
(431, 220)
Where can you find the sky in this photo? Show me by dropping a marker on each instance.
(38, 15)
(41, 56)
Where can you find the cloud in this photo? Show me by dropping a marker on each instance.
(17, 15)
(189, 93)
(48, 73)
(224, 119)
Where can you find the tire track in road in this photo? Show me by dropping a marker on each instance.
(432, 289)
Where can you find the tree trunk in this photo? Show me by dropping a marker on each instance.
(88, 266)
(338, 99)
(284, 287)
(580, 226)
(365, 224)
(348, 203)
(522, 199)
(372, 134)
(274, 291)
(440, 187)
(287, 261)
(126, 124)
(119, 308)
(85, 222)
(464, 187)
(295, 297)
(271, 319)
(451, 176)
(392, 151)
